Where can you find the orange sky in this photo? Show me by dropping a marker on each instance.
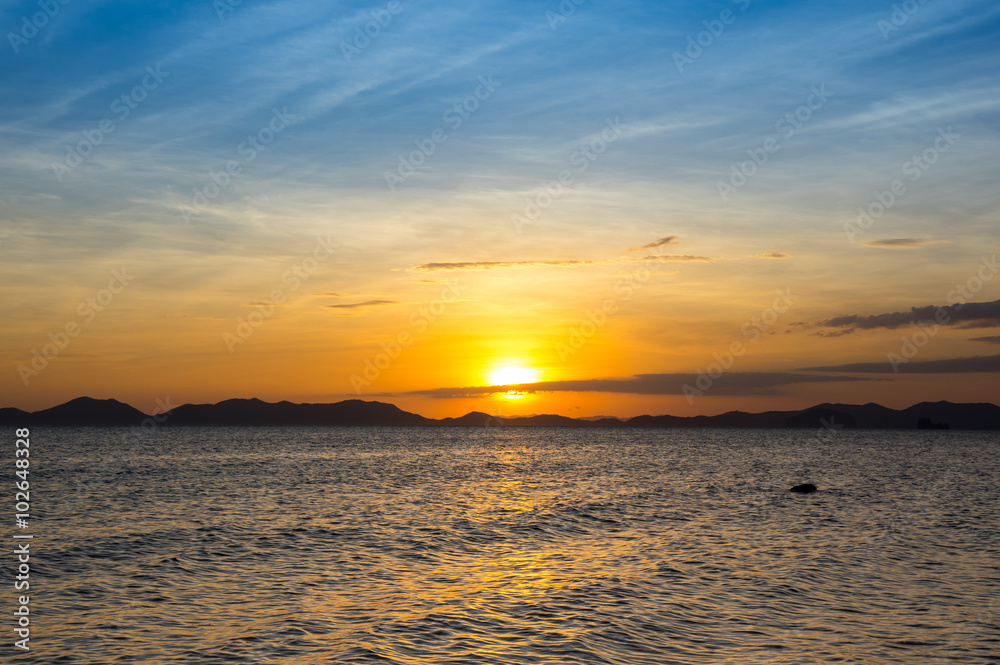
(454, 328)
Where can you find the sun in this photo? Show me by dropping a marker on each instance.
(511, 374)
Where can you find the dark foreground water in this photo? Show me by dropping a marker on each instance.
(396, 545)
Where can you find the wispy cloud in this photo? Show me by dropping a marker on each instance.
(903, 243)
(362, 305)
(666, 240)
(557, 263)
(682, 258)
(501, 265)
(986, 340)
(834, 333)
(772, 255)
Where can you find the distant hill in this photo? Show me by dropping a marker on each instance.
(80, 411)
(250, 412)
(256, 412)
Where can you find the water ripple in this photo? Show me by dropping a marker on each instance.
(540, 546)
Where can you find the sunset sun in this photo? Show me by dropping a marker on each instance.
(510, 375)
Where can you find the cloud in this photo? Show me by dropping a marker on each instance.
(561, 263)
(902, 243)
(733, 383)
(362, 305)
(500, 265)
(967, 315)
(835, 333)
(772, 255)
(945, 366)
(666, 240)
(987, 340)
(674, 257)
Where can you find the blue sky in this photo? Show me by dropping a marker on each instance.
(224, 77)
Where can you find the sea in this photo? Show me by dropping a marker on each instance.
(510, 545)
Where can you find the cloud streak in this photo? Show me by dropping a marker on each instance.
(362, 305)
(967, 315)
(502, 265)
(902, 243)
(974, 365)
(680, 258)
(556, 263)
(730, 384)
(666, 240)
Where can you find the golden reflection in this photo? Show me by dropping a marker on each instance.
(488, 578)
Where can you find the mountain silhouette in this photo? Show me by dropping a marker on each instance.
(80, 411)
(250, 412)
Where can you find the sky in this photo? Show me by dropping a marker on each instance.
(601, 208)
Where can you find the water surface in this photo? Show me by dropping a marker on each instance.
(514, 545)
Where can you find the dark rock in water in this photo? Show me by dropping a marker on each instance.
(805, 487)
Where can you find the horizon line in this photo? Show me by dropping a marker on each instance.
(497, 416)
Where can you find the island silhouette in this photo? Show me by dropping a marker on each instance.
(84, 411)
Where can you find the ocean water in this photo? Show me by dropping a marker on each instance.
(513, 545)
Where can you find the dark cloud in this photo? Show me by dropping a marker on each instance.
(987, 340)
(944, 366)
(732, 383)
(362, 305)
(666, 240)
(902, 243)
(967, 315)
(834, 333)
